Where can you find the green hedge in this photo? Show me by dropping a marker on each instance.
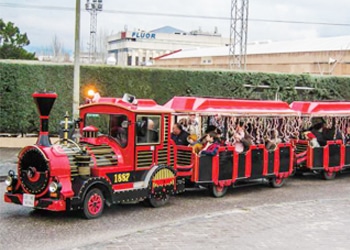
(19, 80)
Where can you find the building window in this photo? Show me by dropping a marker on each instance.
(129, 60)
(206, 60)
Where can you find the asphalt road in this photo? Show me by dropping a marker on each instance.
(24, 228)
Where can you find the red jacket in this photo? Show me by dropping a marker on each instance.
(211, 150)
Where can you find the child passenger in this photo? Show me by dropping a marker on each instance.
(194, 143)
(212, 146)
(238, 135)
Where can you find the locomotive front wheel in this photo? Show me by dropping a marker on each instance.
(218, 191)
(328, 175)
(277, 182)
(155, 201)
(93, 204)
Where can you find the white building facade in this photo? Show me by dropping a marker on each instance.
(139, 48)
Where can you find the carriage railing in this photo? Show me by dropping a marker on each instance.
(184, 160)
(328, 157)
(301, 146)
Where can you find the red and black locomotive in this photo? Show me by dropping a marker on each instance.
(113, 161)
(122, 152)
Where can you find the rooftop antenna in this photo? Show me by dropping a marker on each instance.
(238, 34)
(93, 6)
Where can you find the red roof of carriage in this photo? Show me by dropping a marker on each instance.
(229, 106)
(322, 108)
(143, 105)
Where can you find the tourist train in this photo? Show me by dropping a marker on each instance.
(124, 150)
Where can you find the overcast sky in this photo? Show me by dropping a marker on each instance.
(43, 24)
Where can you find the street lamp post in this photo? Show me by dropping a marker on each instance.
(93, 6)
(76, 83)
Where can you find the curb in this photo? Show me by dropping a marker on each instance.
(2, 178)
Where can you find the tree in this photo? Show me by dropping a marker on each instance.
(12, 42)
(57, 48)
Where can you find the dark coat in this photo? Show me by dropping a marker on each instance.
(180, 139)
(150, 137)
(320, 137)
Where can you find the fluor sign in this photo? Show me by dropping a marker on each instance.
(143, 35)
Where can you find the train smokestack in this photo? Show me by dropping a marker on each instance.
(44, 101)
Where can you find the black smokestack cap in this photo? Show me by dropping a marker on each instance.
(44, 102)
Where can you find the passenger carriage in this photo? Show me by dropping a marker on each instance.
(228, 167)
(333, 157)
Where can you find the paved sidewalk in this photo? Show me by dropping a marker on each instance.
(9, 149)
(8, 160)
(300, 225)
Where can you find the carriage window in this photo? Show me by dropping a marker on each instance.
(112, 125)
(148, 129)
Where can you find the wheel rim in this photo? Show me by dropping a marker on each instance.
(219, 189)
(278, 180)
(330, 174)
(95, 204)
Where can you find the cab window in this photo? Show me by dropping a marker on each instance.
(114, 125)
(148, 129)
(100, 121)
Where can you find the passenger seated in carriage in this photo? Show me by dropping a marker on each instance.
(218, 122)
(317, 129)
(237, 137)
(271, 143)
(179, 136)
(212, 145)
(190, 124)
(347, 136)
(212, 128)
(312, 139)
(196, 144)
(324, 133)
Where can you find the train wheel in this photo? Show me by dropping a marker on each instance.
(155, 201)
(294, 172)
(328, 175)
(277, 182)
(93, 204)
(218, 191)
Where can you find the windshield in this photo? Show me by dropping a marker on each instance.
(110, 125)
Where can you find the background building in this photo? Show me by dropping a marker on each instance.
(325, 56)
(136, 48)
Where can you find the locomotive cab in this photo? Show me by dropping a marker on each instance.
(129, 149)
(122, 155)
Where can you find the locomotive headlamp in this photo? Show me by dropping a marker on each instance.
(9, 181)
(11, 173)
(11, 178)
(54, 187)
